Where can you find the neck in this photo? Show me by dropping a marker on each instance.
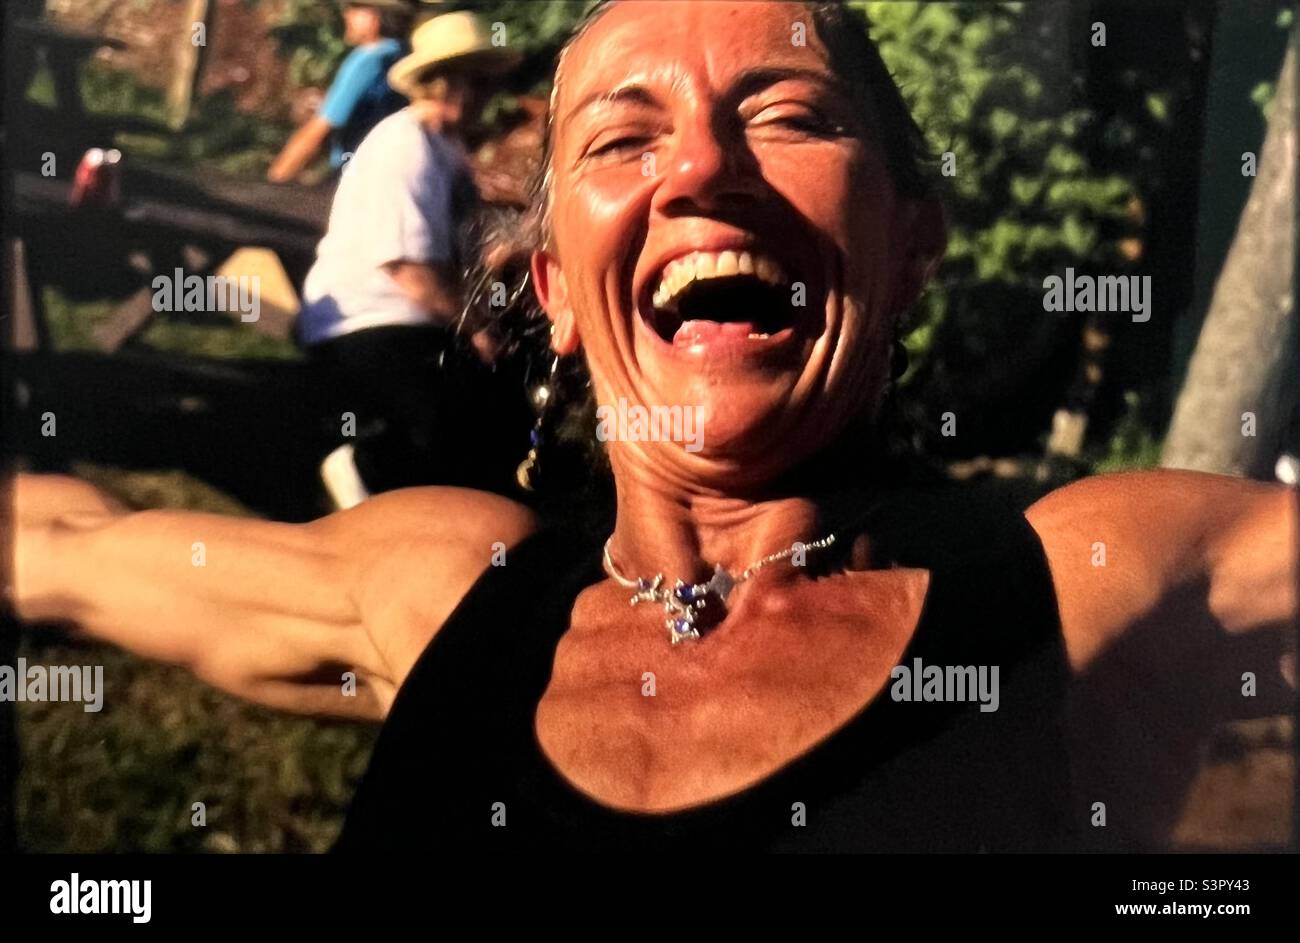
(662, 527)
(429, 113)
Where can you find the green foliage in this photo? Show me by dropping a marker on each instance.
(310, 35)
(1025, 199)
(218, 134)
(535, 28)
(108, 91)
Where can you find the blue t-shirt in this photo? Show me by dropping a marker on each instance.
(360, 96)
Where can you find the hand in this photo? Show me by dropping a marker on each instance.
(44, 499)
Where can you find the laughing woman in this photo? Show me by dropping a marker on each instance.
(846, 665)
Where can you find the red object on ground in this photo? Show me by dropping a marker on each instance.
(98, 180)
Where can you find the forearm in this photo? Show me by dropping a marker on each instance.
(185, 588)
(433, 288)
(44, 498)
(299, 151)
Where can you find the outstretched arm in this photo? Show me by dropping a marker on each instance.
(299, 151)
(1184, 555)
(275, 613)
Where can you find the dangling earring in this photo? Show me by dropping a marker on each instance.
(540, 397)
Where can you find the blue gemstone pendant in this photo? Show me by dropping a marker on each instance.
(684, 602)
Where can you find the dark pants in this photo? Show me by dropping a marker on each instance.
(428, 411)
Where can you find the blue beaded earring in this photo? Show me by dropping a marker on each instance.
(540, 397)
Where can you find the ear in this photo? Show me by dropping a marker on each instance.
(927, 238)
(553, 294)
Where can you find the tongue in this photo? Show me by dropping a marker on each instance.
(701, 332)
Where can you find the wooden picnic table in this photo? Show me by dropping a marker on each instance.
(201, 216)
(202, 207)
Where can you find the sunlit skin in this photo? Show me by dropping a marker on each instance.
(1201, 578)
(740, 159)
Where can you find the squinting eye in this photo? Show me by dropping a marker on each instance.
(618, 145)
(804, 122)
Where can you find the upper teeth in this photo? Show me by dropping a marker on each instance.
(698, 266)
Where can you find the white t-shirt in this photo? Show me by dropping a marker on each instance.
(396, 201)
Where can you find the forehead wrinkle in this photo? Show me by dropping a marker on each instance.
(638, 87)
(707, 55)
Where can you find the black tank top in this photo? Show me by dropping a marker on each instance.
(457, 763)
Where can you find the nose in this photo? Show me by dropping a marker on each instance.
(707, 168)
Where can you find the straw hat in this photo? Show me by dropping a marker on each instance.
(458, 41)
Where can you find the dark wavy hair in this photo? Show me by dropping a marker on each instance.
(498, 289)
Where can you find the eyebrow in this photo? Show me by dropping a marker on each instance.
(749, 81)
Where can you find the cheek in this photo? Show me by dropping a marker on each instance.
(828, 185)
(848, 198)
(597, 237)
(845, 193)
(870, 217)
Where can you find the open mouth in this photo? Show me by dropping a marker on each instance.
(734, 293)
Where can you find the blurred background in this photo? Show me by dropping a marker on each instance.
(1126, 158)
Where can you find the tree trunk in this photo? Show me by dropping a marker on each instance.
(1243, 371)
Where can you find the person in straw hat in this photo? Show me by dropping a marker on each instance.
(381, 301)
(360, 96)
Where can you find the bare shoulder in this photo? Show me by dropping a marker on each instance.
(1121, 492)
(1175, 511)
(1121, 545)
(417, 552)
(437, 515)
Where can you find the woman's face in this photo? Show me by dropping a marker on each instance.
(462, 100)
(720, 128)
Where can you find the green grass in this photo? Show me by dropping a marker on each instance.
(127, 778)
(216, 340)
(72, 324)
(1132, 447)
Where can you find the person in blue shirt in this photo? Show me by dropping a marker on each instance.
(360, 96)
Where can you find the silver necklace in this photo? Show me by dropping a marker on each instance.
(684, 601)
